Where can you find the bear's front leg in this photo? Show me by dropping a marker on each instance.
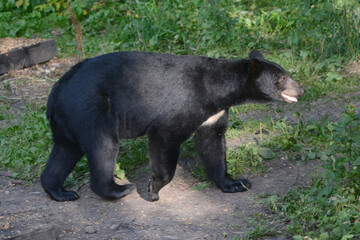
(164, 154)
(211, 146)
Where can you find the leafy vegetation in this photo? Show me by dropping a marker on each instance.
(329, 208)
(314, 30)
(25, 145)
(314, 40)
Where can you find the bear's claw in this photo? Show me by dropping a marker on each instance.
(63, 195)
(240, 185)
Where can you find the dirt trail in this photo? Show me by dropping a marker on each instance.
(181, 213)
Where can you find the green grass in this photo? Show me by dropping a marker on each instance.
(313, 40)
(329, 208)
(25, 143)
(305, 31)
(259, 227)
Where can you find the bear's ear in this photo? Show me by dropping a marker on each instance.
(254, 54)
(254, 65)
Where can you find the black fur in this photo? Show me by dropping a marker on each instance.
(168, 98)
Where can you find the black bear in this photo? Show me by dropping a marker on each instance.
(167, 97)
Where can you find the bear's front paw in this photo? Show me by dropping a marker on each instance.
(152, 196)
(240, 185)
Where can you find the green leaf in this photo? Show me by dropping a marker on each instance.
(266, 153)
(324, 236)
(153, 41)
(326, 191)
(19, 3)
(357, 162)
(298, 237)
(312, 155)
(119, 173)
(347, 236)
(33, 149)
(331, 126)
(330, 76)
(202, 185)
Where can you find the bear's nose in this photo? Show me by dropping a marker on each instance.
(301, 91)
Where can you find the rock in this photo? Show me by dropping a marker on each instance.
(55, 65)
(38, 234)
(17, 181)
(5, 173)
(90, 230)
(114, 227)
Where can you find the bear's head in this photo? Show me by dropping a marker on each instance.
(268, 81)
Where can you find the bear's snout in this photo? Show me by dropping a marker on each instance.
(293, 90)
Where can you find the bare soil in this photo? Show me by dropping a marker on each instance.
(181, 212)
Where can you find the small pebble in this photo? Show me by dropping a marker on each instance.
(16, 181)
(55, 65)
(90, 230)
(113, 227)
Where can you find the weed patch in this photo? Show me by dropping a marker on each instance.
(26, 144)
(329, 209)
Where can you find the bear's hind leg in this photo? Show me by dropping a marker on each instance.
(164, 154)
(62, 161)
(211, 147)
(101, 159)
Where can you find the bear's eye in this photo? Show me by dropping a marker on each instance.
(282, 80)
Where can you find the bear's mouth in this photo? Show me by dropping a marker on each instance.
(288, 98)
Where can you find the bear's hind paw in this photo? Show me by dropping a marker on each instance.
(114, 191)
(63, 195)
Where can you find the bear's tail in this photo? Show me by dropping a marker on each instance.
(56, 89)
